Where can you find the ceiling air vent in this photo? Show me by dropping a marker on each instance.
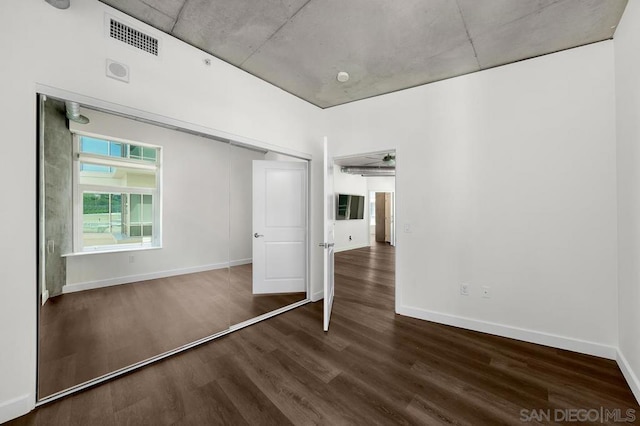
(133, 37)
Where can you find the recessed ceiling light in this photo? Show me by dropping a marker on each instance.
(343, 77)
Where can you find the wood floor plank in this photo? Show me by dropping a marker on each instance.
(210, 405)
(251, 403)
(289, 392)
(315, 357)
(372, 367)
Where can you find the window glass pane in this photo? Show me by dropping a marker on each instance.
(101, 218)
(143, 153)
(136, 231)
(125, 177)
(116, 213)
(108, 221)
(94, 146)
(149, 153)
(116, 203)
(147, 209)
(101, 147)
(85, 167)
(113, 209)
(117, 149)
(135, 152)
(135, 207)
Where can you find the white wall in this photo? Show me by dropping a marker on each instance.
(507, 178)
(381, 184)
(205, 206)
(627, 61)
(241, 231)
(67, 49)
(345, 183)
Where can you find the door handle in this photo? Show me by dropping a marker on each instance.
(326, 245)
(256, 235)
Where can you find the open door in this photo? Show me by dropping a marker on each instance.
(329, 225)
(279, 226)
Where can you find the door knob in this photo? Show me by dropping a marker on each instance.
(256, 235)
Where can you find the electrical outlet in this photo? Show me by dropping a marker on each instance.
(407, 228)
(350, 239)
(464, 289)
(486, 292)
(132, 259)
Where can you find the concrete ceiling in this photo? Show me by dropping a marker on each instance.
(300, 45)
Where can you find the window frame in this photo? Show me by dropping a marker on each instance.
(79, 189)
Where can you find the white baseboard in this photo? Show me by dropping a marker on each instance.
(318, 295)
(16, 407)
(240, 262)
(353, 247)
(629, 375)
(531, 336)
(45, 297)
(90, 285)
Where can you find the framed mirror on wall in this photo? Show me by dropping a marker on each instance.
(146, 241)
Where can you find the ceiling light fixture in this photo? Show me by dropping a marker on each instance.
(343, 76)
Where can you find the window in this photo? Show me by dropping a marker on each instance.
(117, 199)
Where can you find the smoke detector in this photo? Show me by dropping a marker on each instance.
(343, 76)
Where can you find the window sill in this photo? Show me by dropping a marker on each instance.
(107, 251)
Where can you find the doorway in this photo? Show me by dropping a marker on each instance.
(381, 218)
(368, 239)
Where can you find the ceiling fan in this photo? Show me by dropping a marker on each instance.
(389, 160)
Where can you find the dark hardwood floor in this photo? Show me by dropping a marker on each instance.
(87, 334)
(372, 367)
